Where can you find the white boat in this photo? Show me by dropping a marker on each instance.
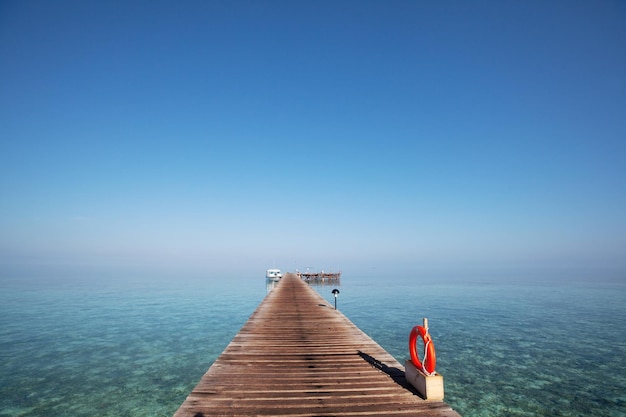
(273, 274)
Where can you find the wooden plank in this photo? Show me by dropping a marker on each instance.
(297, 356)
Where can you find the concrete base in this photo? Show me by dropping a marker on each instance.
(431, 387)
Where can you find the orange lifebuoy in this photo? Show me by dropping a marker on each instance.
(430, 358)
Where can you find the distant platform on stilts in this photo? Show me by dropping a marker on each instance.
(320, 277)
(298, 356)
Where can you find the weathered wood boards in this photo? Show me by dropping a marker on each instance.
(297, 356)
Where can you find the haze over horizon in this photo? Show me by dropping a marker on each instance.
(355, 135)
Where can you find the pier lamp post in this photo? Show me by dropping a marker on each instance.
(335, 293)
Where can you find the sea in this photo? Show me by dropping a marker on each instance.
(128, 345)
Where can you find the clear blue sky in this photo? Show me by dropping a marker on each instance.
(345, 134)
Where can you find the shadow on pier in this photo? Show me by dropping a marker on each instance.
(396, 374)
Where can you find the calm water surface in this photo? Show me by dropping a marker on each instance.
(136, 347)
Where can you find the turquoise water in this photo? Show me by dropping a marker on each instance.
(136, 347)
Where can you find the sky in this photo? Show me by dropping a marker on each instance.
(352, 135)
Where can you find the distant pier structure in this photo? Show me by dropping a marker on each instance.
(319, 277)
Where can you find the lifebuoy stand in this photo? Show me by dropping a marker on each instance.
(430, 387)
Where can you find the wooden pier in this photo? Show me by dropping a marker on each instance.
(297, 356)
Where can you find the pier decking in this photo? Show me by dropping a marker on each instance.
(297, 356)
